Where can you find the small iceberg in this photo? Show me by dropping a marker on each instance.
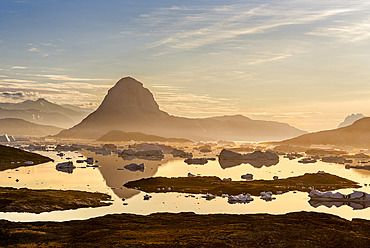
(267, 196)
(89, 160)
(356, 196)
(198, 161)
(208, 196)
(135, 167)
(66, 167)
(247, 176)
(242, 198)
(147, 197)
(191, 175)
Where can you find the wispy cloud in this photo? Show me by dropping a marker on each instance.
(44, 49)
(184, 28)
(13, 80)
(349, 32)
(68, 78)
(18, 67)
(179, 101)
(18, 95)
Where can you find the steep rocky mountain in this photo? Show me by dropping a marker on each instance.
(42, 111)
(18, 127)
(349, 120)
(356, 135)
(130, 107)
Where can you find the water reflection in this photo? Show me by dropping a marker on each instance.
(111, 175)
(256, 164)
(115, 173)
(68, 170)
(329, 204)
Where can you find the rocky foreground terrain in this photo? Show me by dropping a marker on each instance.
(300, 229)
(46, 200)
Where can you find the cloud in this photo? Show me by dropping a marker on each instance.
(351, 32)
(185, 28)
(18, 95)
(12, 80)
(33, 49)
(18, 67)
(178, 101)
(44, 49)
(67, 78)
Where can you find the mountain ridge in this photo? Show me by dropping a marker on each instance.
(356, 135)
(42, 111)
(130, 107)
(350, 119)
(20, 127)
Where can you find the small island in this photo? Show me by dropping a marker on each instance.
(216, 186)
(12, 158)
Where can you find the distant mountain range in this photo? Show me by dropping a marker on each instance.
(130, 107)
(356, 135)
(44, 112)
(18, 127)
(349, 120)
(116, 135)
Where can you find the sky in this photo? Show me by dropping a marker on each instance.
(305, 63)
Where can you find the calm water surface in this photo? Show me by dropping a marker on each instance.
(108, 179)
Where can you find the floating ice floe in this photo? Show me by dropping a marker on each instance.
(68, 164)
(247, 176)
(67, 167)
(267, 196)
(135, 167)
(191, 175)
(356, 196)
(242, 198)
(147, 197)
(197, 161)
(89, 160)
(208, 196)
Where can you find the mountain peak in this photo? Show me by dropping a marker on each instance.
(129, 96)
(42, 100)
(127, 80)
(349, 120)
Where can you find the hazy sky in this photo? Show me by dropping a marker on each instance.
(306, 63)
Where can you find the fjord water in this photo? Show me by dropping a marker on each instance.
(110, 177)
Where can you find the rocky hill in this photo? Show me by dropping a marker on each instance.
(130, 107)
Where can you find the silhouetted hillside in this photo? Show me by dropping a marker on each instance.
(349, 120)
(116, 135)
(355, 135)
(130, 107)
(42, 111)
(19, 127)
